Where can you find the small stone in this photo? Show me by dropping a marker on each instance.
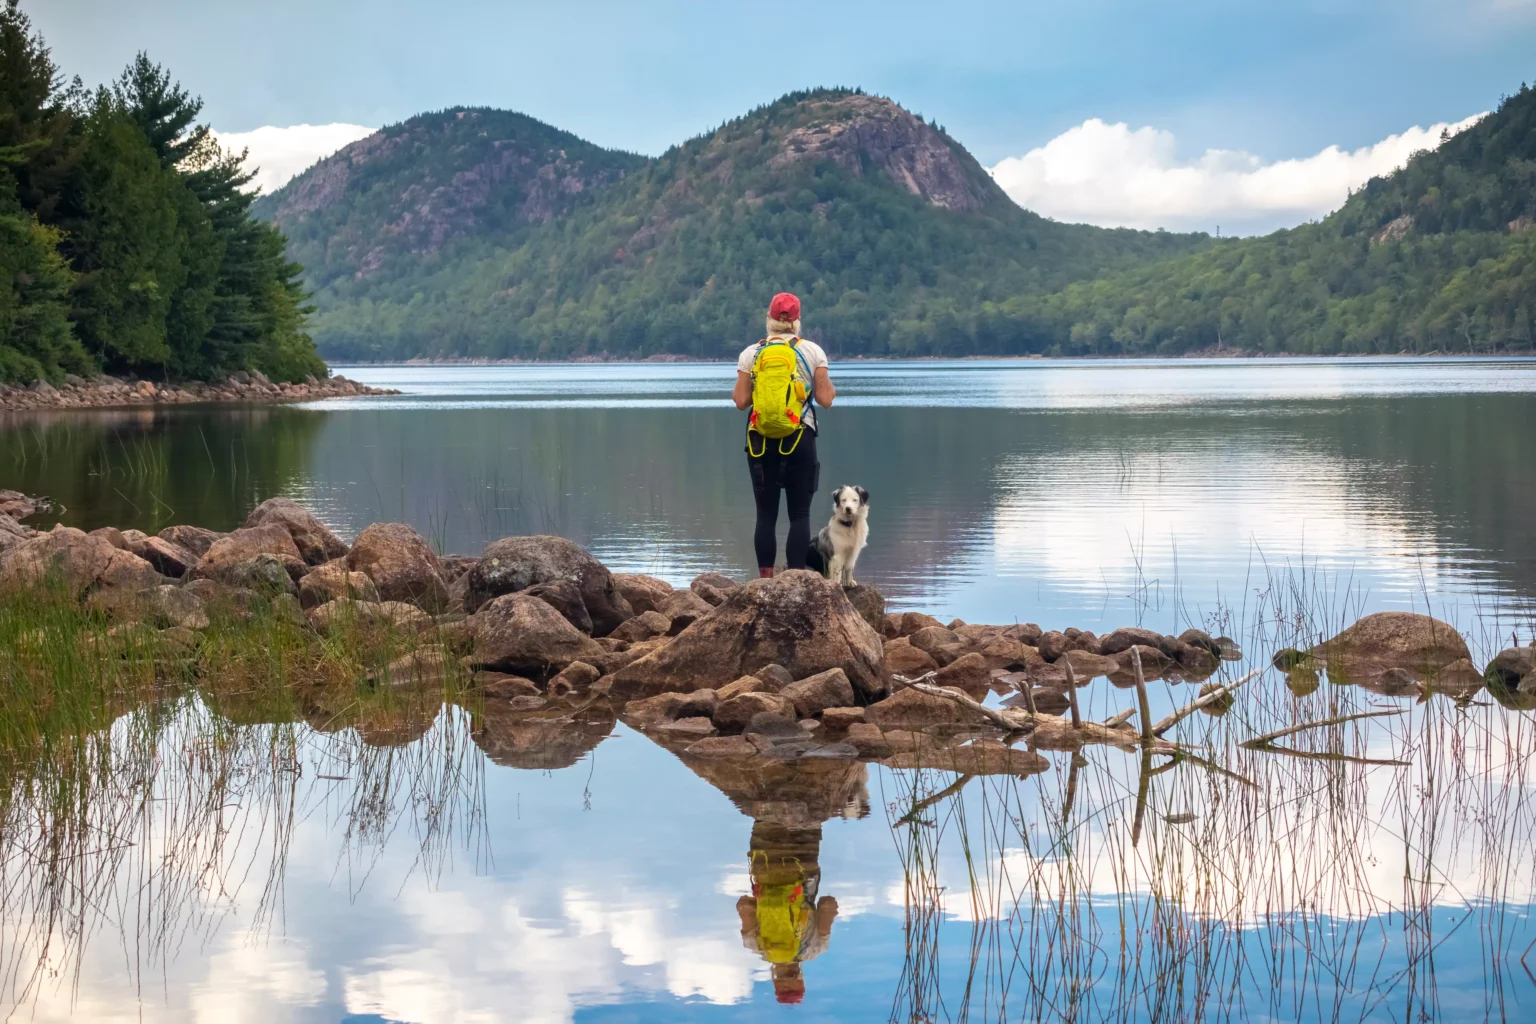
(500, 685)
(841, 719)
(814, 694)
(697, 726)
(527, 703)
(723, 747)
(733, 715)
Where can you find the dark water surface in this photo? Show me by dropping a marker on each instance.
(540, 875)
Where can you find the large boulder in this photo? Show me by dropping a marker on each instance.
(713, 587)
(1417, 644)
(514, 564)
(869, 603)
(315, 541)
(814, 694)
(265, 574)
(401, 565)
(1126, 637)
(1512, 667)
(564, 597)
(521, 634)
(227, 557)
(345, 612)
(77, 560)
(193, 538)
(334, 581)
(12, 534)
(796, 619)
(644, 593)
(169, 559)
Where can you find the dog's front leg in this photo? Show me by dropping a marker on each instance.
(835, 567)
(847, 573)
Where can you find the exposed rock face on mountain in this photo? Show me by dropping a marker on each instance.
(871, 135)
(407, 190)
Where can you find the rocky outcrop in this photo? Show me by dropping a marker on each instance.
(869, 135)
(523, 635)
(169, 559)
(315, 541)
(796, 619)
(401, 565)
(190, 538)
(516, 563)
(104, 392)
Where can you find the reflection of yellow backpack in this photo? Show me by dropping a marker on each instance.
(779, 393)
(780, 921)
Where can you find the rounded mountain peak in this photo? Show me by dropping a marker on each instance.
(868, 136)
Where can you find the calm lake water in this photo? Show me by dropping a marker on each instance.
(540, 876)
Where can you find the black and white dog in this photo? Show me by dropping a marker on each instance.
(835, 551)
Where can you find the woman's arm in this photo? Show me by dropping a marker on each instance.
(825, 391)
(742, 396)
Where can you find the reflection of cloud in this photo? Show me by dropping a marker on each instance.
(256, 978)
(1116, 176)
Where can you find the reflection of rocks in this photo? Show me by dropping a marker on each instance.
(550, 738)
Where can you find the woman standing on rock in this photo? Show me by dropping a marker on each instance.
(782, 379)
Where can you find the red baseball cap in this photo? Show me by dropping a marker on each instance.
(785, 307)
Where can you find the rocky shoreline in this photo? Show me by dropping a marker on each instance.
(104, 392)
(782, 668)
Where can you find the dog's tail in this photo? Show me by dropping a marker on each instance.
(814, 560)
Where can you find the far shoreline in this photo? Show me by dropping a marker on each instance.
(1205, 356)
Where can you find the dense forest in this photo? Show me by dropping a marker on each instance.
(439, 237)
(127, 244)
(893, 234)
(1439, 256)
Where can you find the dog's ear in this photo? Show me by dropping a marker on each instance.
(863, 496)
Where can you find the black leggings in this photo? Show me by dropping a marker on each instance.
(797, 474)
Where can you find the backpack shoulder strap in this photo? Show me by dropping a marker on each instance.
(810, 378)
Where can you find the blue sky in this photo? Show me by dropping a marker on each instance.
(1275, 80)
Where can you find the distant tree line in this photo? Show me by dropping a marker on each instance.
(126, 240)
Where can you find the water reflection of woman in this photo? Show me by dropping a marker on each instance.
(783, 920)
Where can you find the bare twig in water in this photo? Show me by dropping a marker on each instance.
(1141, 697)
(1259, 741)
(927, 802)
(1195, 705)
(1077, 719)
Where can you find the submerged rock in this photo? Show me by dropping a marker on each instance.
(401, 565)
(796, 619)
(1512, 667)
(1418, 644)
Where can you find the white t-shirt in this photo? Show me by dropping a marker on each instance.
(814, 358)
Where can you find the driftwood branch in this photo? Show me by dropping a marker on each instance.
(1316, 755)
(1141, 697)
(1195, 705)
(1259, 741)
(1115, 721)
(1013, 721)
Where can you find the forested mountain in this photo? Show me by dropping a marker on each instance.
(897, 239)
(126, 240)
(1439, 256)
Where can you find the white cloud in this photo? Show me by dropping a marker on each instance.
(282, 153)
(1116, 176)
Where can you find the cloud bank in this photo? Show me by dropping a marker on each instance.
(1115, 176)
(281, 153)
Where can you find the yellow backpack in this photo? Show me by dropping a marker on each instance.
(781, 921)
(779, 395)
